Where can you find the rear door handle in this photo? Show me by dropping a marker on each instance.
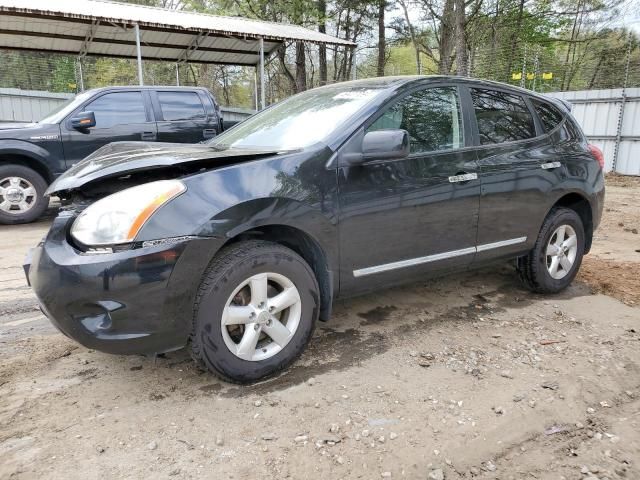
(209, 133)
(148, 135)
(463, 177)
(550, 165)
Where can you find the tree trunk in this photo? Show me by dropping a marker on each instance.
(414, 40)
(301, 68)
(382, 41)
(461, 38)
(322, 28)
(446, 43)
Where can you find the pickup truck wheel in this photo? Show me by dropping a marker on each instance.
(22, 198)
(255, 311)
(555, 259)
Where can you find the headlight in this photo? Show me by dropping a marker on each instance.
(119, 217)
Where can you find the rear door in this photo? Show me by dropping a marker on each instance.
(402, 218)
(120, 116)
(513, 156)
(181, 117)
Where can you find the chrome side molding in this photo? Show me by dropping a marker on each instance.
(436, 257)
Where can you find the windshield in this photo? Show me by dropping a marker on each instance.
(58, 114)
(299, 121)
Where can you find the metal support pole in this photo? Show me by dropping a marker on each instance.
(255, 89)
(81, 76)
(262, 92)
(523, 79)
(354, 67)
(623, 103)
(177, 75)
(139, 52)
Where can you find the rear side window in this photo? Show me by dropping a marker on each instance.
(549, 115)
(180, 105)
(430, 116)
(119, 108)
(502, 117)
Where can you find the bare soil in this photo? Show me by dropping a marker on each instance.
(465, 377)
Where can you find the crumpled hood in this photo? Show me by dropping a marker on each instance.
(121, 158)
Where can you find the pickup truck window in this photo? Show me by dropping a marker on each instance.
(119, 108)
(180, 105)
(301, 120)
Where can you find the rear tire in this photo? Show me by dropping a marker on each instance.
(240, 332)
(22, 198)
(556, 257)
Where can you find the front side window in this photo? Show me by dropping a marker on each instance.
(180, 105)
(430, 116)
(119, 108)
(502, 117)
(549, 115)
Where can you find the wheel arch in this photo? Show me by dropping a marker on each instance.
(581, 205)
(305, 245)
(8, 157)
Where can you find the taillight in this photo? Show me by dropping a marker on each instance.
(597, 154)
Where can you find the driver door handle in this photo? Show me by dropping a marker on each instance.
(148, 136)
(463, 177)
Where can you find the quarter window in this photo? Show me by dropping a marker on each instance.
(430, 116)
(118, 108)
(549, 115)
(180, 105)
(502, 117)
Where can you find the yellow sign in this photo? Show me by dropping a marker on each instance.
(547, 76)
(72, 85)
(531, 76)
(516, 76)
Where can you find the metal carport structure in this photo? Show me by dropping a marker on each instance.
(120, 30)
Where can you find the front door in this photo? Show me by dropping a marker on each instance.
(400, 219)
(120, 116)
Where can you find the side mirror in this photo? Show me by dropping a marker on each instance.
(381, 145)
(84, 120)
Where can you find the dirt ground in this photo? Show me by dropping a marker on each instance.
(466, 377)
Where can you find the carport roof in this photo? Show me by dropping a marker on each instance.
(102, 28)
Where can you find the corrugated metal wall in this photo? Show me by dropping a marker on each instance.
(27, 106)
(599, 114)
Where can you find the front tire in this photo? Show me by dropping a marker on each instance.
(255, 311)
(556, 257)
(22, 198)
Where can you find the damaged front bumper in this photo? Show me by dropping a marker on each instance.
(136, 301)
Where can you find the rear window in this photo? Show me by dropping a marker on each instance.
(502, 117)
(180, 105)
(549, 115)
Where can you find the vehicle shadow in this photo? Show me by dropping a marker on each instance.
(364, 327)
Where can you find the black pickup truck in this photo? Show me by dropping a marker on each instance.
(33, 155)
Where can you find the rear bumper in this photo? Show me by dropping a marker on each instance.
(138, 301)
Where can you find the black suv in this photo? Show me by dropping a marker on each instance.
(33, 155)
(238, 246)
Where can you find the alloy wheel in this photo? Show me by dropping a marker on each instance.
(561, 251)
(261, 316)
